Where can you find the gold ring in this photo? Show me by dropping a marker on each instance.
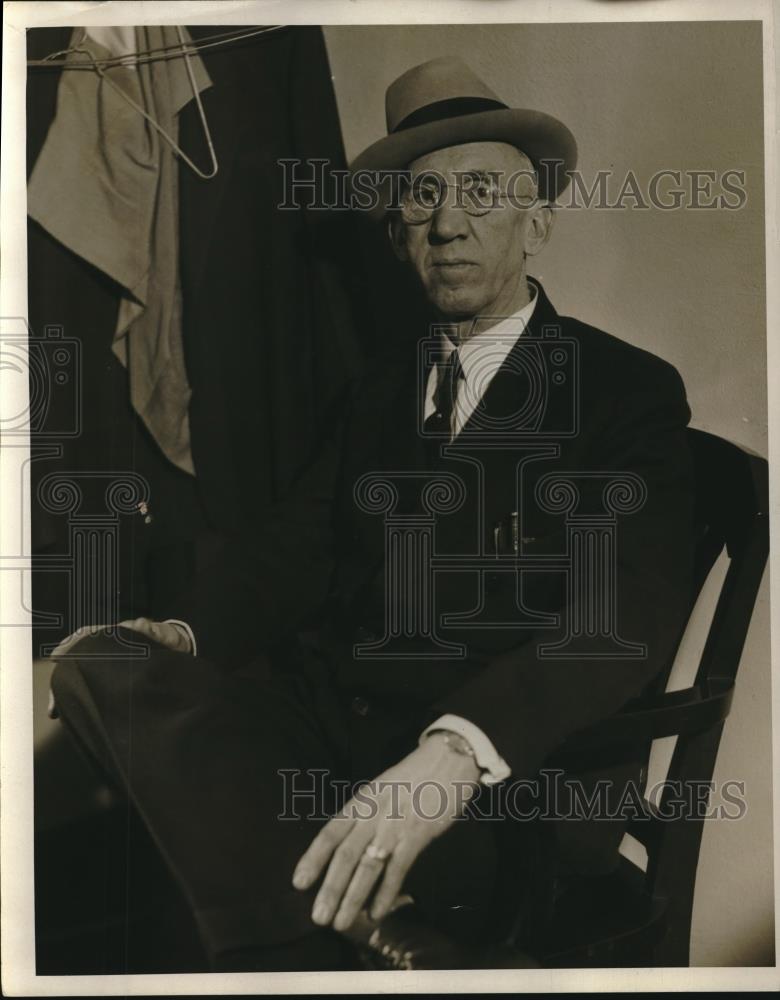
(377, 853)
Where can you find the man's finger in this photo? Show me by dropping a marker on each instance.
(167, 634)
(67, 643)
(51, 708)
(368, 870)
(70, 641)
(143, 625)
(340, 871)
(319, 851)
(398, 864)
(62, 648)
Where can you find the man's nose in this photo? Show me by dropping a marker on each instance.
(449, 220)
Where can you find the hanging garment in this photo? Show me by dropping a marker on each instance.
(106, 186)
(278, 310)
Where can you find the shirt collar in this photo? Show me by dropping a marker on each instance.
(484, 352)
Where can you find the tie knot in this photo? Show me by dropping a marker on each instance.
(450, 367)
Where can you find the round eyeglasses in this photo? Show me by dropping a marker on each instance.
(477, 195)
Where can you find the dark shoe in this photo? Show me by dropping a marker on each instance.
(402, 940)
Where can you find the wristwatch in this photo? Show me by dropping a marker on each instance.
(457, 743)
(462, 736)
(458, 738)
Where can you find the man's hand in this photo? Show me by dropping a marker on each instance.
(166, 633)
(400, 813)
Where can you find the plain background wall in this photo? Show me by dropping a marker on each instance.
(687, 285)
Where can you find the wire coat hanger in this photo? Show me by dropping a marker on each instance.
(153, 55)
(181, 51)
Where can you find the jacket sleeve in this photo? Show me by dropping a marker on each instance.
(528, 705)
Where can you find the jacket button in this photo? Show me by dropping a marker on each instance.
(360, 706)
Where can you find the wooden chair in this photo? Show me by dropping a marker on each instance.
(643, 918)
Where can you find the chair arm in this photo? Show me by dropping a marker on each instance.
(676, 713)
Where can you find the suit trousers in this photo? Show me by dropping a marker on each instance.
(233, 772)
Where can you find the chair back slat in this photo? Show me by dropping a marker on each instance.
(656, 905)
(732, 497)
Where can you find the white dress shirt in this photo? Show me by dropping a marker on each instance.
(480, 357)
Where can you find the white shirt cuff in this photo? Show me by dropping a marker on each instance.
(188, 631)
(494, 768)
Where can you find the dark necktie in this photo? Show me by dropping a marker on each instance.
(449, 374)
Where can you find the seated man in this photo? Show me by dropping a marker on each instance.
(530, 577)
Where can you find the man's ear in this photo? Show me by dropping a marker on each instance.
(395, 232)
(538, 229)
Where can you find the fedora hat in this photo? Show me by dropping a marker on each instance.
(442, 103)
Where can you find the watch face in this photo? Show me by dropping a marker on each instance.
(459, 743)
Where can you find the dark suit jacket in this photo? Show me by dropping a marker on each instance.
(317, 562)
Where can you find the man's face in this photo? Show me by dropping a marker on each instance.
(473, 265)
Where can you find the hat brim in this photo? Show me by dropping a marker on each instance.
(546, 141)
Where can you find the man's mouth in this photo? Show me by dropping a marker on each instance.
(454, 272)
(453, 266)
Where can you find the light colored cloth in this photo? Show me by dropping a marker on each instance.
(106, 186)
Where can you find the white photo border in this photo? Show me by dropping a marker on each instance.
(16, 768)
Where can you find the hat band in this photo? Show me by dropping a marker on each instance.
(452, 107)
